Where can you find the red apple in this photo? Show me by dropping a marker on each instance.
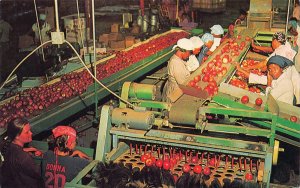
(166, 165)
(293, 119)
(258, 101)
(245, 99)
(159, 163)
(206, 171)
(249, 176)
(149, 162)
(192, 83)
(197, 169)
(186, 168)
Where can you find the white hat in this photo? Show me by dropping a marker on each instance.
(217, 30)
(207, 37)
(42, 16)
(185, 44)
(198, 43)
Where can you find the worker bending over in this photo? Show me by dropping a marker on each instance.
(193, 63)
(177, 70)
(217, 31)
(279, 46)
(283, 80)
(208, 40)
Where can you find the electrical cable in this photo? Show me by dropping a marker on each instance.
(125, 101)
(39, 29)
(5, 82)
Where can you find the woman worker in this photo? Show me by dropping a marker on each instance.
(177, 70)
(19, 169)
(283, 79)
(208, 40)
(193, 63)
(59, 166)
(217, 31)
(279, 46)
(295, 31)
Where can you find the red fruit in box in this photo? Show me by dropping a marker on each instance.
(173, 161)
(225, 59)
(249, 176)
(205, 78)
(293, 119)
(243, 43)
(210, 64)
(247, 38)
(239, 37)
(197, 78)
(192, 83)
(186, 168)
(218, 57)
(258, 101)
(197, 169)
(245, 99)
(206, 171)
(218, 64)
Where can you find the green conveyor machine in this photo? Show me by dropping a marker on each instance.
(232, 139)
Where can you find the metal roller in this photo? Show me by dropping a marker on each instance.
(183, 114)
(142, 91)
(132, 119)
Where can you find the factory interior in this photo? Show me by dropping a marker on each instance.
(150, 93)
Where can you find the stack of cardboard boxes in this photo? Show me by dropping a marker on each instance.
(115, 40)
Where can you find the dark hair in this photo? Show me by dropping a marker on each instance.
(14, 128)
(281, 172)
(293, 19)
(243, 12)
(215, 184)
(112, 175)
(237, 183)
(61, 143)
(191, 181)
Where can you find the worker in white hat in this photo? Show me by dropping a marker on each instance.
(208, 40)
(45, 29)
(217, 31)
(177, 70)
(193, 63)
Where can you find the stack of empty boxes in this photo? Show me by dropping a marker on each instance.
(115, 40)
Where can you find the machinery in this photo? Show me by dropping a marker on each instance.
(234, 140)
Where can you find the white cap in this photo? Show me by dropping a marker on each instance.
(217, 30)
(185, 44)
(198, 43)
(42, 16)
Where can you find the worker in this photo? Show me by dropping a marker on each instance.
(279, 46)
(296, 11)
(217, 31)
(283, 79)
(19, 169)
(59, 166)
(295, 31)
(45, 30)
(193, 63)
(208, 40)
(177, 70)
(5, 29)
(241, 18)
(230, 32)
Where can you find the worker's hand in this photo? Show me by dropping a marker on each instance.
(34, 151)
(80, 154)
(270, 79)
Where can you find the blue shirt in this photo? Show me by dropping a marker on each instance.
(202, 53)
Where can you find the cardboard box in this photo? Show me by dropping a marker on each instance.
(135, 29)
(117, 45)
(115, 37)
(129, 41)
(137, 41)
(104, 38)
(25, 41)
(91, 51)
(114, 28)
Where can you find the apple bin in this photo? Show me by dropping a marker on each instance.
(218, 67)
